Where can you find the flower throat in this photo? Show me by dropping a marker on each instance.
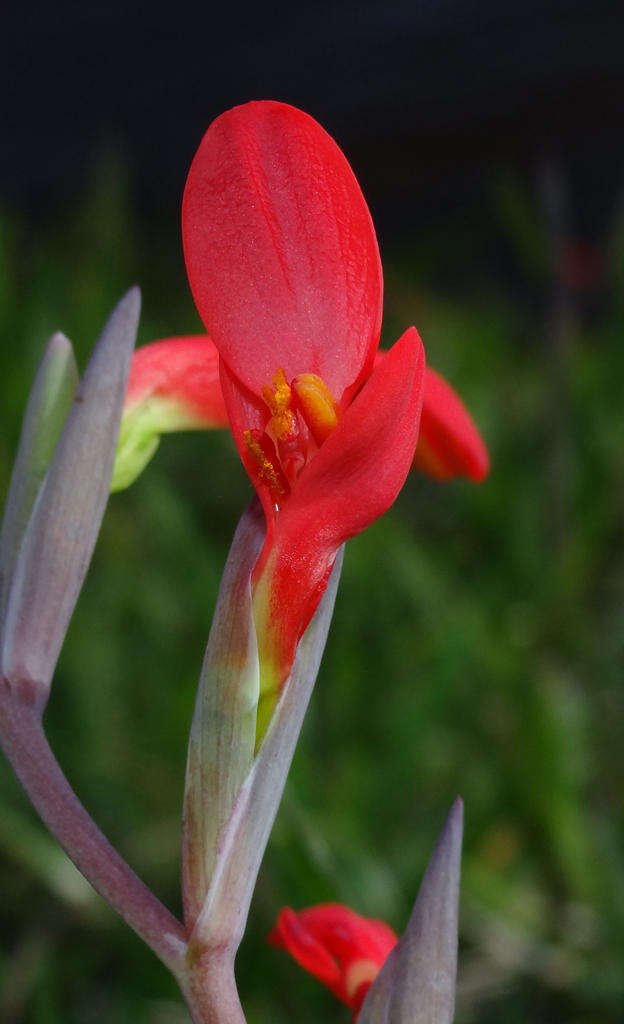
(303, 415)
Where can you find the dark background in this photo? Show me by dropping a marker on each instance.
(418, 93)
(478, 640)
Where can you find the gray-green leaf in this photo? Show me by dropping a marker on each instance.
(67, 513)
(49, 401)
(416, 985)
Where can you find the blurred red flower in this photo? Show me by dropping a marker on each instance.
(339, 947)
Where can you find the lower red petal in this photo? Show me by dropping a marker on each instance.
(352, 480)
(291, 934)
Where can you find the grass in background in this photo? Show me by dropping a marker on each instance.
(477, 647)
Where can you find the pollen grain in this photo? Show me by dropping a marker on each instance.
(266, 469)
(279, 399)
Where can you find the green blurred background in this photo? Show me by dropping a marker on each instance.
(477, 645)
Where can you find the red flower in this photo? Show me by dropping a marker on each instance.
(339, 947)
(285, 271)
(284, 267)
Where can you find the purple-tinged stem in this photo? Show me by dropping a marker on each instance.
(210, 989)
(27, 749)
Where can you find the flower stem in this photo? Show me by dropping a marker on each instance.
(210, 989)
(26, 747)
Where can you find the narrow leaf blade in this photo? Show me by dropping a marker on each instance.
(417, 983)
(221, 922)
(65, 520)
(223, 732)
(49, 401)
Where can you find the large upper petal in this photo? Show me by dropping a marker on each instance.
(280, 249)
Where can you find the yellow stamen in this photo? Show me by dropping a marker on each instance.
(317, 405)
(266, 469)
(279, 398)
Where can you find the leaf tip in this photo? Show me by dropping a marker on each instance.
(130, 304)
(59, 342)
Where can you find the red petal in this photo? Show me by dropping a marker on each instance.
(291, 934)
(247, 412)
(348, 935)
(184, 369)
(280, 249)
(450, 444)
(351, 481)
(337, 946)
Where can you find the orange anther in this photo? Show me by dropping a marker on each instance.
(262, 450)
(279, 399)
(317, 405)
